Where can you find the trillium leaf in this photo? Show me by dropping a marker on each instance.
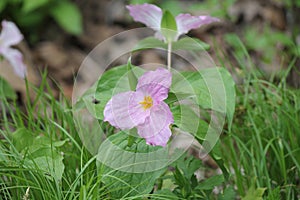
(52, 165)
(187, 43)
(22, 138)
(211, 88)
(112, 82)
(187, 120)
(126, 174)
(150, 43)
(39, 152)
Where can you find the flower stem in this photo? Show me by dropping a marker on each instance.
(169, 55)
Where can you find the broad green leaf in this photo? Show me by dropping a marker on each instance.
(168, 26)
(68, 16)
(53, 165)
(30, 5)
(210, 183)
(150, 43)
(187, 120)
(122, 169)
(110, 83)
(6, 91)
(22, 138)
(187, 43)
(211, 88)
(39, 152)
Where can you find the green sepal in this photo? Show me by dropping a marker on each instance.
(168, 26)
(131, 76)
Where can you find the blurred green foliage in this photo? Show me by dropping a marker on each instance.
(33, 15)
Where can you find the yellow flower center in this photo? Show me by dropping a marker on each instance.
(147, 103)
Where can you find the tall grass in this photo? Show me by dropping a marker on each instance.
(52, 119)
(263, 147)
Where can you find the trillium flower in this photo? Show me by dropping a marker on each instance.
(10, 35)
(151, 16)
(144, 108)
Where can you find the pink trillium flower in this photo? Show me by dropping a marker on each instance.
(144, 108)
(10, 35)
(151, 16)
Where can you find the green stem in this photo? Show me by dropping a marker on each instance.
(169, 55)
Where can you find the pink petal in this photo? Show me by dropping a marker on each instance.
(124, 110)
(15, 58)
(155, 83)
(156, 129)
(186, 22)
(148, 14)
(10, 34)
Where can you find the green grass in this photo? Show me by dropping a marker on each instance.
(53, 121)
(263, 146)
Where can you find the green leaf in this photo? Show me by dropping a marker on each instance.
(39, 152)
(131, 76)
(22, 138)
(110, 83)
(187, 43)
(30, 5)
(6, 91)
(150, 43)
(187, 120)
(53, 165)
(211, 88)
(68, 16)
(168, 26)
(210, 183)
(127, 171)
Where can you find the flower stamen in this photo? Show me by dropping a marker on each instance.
(147, 103)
